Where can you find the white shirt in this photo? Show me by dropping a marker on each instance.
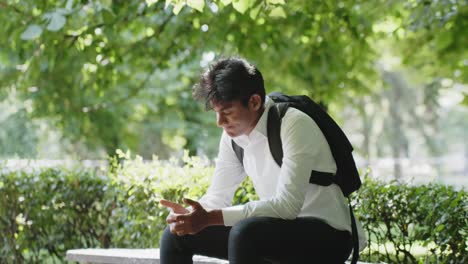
(284, 192)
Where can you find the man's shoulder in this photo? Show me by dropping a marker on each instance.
(296, 120)
(294, 115)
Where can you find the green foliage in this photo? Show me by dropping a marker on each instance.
(136, 187)
(46, 212)
(117, 74)
(50, 210)
(400, 217)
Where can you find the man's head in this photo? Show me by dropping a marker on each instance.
(234, 89)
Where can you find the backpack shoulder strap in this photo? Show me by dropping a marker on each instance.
(275, 114)
(239, 151)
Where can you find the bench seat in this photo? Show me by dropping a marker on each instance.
(129, 256)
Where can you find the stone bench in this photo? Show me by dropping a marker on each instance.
(130, 256)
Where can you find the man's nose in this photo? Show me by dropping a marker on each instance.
(220, 119)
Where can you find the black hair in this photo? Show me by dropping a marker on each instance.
(229, 80)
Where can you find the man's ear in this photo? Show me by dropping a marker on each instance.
(255, 102)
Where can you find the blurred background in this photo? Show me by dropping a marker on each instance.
(80, 79)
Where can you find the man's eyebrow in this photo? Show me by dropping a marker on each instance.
(225, 108)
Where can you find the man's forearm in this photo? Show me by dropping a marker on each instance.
(215, 217)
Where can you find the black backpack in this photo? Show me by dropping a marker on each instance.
(347, 175)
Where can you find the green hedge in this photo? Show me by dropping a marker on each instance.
(413, 224)
(44, 213)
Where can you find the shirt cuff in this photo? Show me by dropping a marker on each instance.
(233, 214)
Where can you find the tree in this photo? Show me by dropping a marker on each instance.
(108, 72)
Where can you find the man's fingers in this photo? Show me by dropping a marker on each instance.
(169, 204)
(179, 229)
(171, 218)
(182, 219)
(177, 208)
(179, 219)
(194, 204)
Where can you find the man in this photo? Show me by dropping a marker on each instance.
(294, 221)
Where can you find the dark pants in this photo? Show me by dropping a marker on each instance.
(261, 240)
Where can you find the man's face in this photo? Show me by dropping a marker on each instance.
(235, 118)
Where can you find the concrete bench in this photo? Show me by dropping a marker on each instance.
(130, 256)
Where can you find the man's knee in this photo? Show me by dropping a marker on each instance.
(246, 230)
(169, 240)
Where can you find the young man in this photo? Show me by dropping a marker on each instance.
(294, 221)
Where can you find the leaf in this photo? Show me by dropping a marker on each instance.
(32, 32)
(440, 227)
(178, 7)
(226, 2)
(196, 4)
(443, 40)
(69, 5)
(241, 5)
(278, 12)
(254, 12)
(276, 2)
(150, 2)
(106, 3)
(57, 21)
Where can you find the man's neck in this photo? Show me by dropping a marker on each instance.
(257, 118)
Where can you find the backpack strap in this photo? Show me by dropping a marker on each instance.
(354, 235)
(275, 115)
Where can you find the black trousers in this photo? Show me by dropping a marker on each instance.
(261, 240)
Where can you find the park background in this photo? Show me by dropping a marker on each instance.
(98, 122)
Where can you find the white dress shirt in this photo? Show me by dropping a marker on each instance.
(284, 192)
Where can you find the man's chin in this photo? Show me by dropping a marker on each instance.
(231, 133)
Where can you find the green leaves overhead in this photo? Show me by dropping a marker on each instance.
(196, 4)
(240, 6)
(105, 70)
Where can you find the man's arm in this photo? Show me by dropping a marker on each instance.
(228, 174)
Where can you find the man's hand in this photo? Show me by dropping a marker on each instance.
(176, 209)
(193, 222)
(183, 221)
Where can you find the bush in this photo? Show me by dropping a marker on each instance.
(44, 213)
(400, 218)
(135, 189)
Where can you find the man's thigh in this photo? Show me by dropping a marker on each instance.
(296, 241)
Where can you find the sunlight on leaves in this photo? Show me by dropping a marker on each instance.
(241, 5)
(278, 12)
(196, 4)
(150, 2)
(32, 32)
(57, 21)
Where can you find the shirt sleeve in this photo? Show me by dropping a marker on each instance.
(228, 174)
(302, 142)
